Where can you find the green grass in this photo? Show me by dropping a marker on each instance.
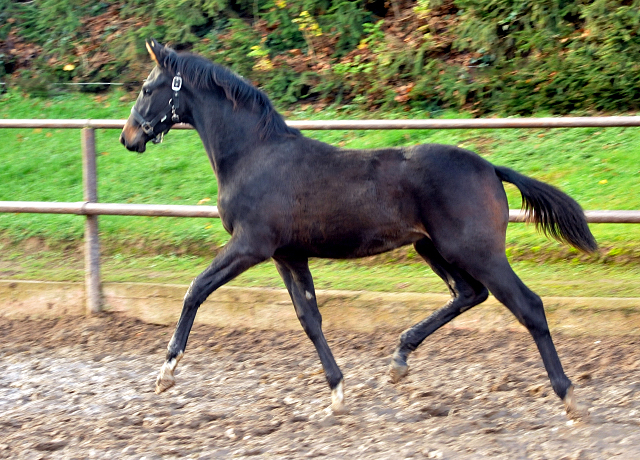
(598, 167)
(559, 278)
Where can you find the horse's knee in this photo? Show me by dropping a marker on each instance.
(408, 338)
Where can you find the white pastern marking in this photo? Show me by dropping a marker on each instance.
(167, 369)
(337, 394)
(308, 295)
(165, 379)
(337, 401)
(171, 364)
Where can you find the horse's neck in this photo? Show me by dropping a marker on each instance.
(227, 135)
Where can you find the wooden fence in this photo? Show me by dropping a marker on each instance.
(91, 208)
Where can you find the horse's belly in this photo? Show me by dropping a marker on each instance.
(352, 243)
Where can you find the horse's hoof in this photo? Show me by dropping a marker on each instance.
(165, 378)
(164, 383)
(575, 411)
(398, 371)
(338, 408)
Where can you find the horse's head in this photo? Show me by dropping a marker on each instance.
(158, 105)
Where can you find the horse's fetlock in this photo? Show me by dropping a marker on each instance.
(334, 380)
(173, 353)
(562, 388)
(406, 339)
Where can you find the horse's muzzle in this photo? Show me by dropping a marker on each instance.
(133, 139)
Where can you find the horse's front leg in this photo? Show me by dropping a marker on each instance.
(297, 277)
(236, 257)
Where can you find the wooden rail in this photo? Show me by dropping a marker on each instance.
(473, 123)
(87, 208)
(91, 208)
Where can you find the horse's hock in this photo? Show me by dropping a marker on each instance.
(271, 309)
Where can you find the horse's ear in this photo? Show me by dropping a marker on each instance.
(155, 50)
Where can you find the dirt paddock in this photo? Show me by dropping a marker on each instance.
(83, 388)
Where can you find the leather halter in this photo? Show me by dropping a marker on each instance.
(174, 104)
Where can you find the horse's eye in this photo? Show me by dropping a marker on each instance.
(146, 91)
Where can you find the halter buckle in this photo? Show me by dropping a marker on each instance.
(147, 128)
(176, 84)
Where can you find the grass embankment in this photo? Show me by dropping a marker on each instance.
(598, 167)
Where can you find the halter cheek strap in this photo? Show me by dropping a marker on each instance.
(172, 106)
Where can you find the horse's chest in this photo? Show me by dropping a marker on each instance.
(226, 211)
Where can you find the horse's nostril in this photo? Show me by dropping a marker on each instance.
(122, 138)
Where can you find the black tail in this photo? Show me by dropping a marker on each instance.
(553, 212)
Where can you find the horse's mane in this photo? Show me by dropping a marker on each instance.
(203, 74)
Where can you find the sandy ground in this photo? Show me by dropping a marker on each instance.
(83, 388)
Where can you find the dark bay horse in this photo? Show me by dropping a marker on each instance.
(286, 197)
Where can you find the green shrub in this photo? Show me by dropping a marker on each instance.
(504, 56)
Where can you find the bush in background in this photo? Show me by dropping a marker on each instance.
(504, 56)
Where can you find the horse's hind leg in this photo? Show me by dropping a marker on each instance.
(527, 307)
(297, 277)
(466, 292)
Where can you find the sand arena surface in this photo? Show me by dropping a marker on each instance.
(84, 388)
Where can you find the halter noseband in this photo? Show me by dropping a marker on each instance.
(174, 104)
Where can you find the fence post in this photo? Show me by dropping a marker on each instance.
(93, 287)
